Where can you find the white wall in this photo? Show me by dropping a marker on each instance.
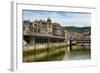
(5, 35)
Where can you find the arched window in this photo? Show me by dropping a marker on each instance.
(35, 25)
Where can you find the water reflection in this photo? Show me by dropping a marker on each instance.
(80, 54)
(56, 54)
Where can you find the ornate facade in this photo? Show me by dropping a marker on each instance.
(40, 31)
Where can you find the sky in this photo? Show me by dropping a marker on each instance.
(77, 19)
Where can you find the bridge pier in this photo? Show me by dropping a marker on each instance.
(70, 44)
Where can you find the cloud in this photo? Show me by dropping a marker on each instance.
(63, 18)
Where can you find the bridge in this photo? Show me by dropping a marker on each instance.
(80, 43)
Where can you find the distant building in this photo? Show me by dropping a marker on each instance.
(86, 35)
(73, 35)
(66, 36)
(81, 40)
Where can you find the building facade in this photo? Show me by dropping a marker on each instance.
(40, 31)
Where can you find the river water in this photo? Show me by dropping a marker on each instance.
(61, 54)
(78, 55)
(82, 54)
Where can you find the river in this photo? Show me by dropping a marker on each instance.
(58, 54)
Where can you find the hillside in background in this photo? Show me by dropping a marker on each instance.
(78, 29)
